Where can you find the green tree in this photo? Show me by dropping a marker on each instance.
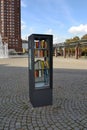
(76, 39)
(68, 41)
(84, 37)
(72, 40)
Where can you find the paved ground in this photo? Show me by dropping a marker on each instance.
(69, 109)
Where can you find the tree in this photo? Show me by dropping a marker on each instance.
(72, 40)
(76, 39)
(84, 37)
(68, 41)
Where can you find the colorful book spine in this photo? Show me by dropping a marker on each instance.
(42, 64)
(39, 64)
(41, 53)
(37, 44)
(45, 53)
(36, 73)
(41, 44)
(36, 66)
(45, 44)
(40, 75)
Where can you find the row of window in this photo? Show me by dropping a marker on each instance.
(8, 32)
(11, 44)
(10, 17)
(9, 12)
(16, 40)
(8, 8)
(7, 17)
(7, 5)
(7, 25)
(10, 35)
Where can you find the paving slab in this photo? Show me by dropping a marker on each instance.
(69, 109)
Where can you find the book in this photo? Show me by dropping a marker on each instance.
(39, 64)
(36, 73)
(35, 53)
(45, 53)
(39, 44)
(36, 65)
(42, 43)
(45, 45)
(36, 44)
(42, 64)
(40, 73)
(41, 53)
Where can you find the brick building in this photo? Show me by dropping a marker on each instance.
(10, 23)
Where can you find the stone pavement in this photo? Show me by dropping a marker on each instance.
(69, 109)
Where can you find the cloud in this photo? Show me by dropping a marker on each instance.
(23, 25)
(23, 4)
(56, 37)
(49, 31)
(82, 28)
(29, 31)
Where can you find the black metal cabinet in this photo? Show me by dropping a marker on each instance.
(40, 69)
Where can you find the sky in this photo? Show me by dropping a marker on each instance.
(63, 19)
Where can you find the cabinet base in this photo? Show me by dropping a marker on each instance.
(41, 97)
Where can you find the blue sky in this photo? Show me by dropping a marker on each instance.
(62, 18)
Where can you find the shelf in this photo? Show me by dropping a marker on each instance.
(42, 69)
(39, 78)
(41, 85)
(40, 64)
(41, 53)
(40, 44)
(40, 48)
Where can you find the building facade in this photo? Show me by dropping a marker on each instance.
(10, 23)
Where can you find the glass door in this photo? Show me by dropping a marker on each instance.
(41, 63)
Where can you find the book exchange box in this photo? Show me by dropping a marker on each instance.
(40, 69)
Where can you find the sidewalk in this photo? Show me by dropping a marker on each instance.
(69, 109)
(70, 63)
